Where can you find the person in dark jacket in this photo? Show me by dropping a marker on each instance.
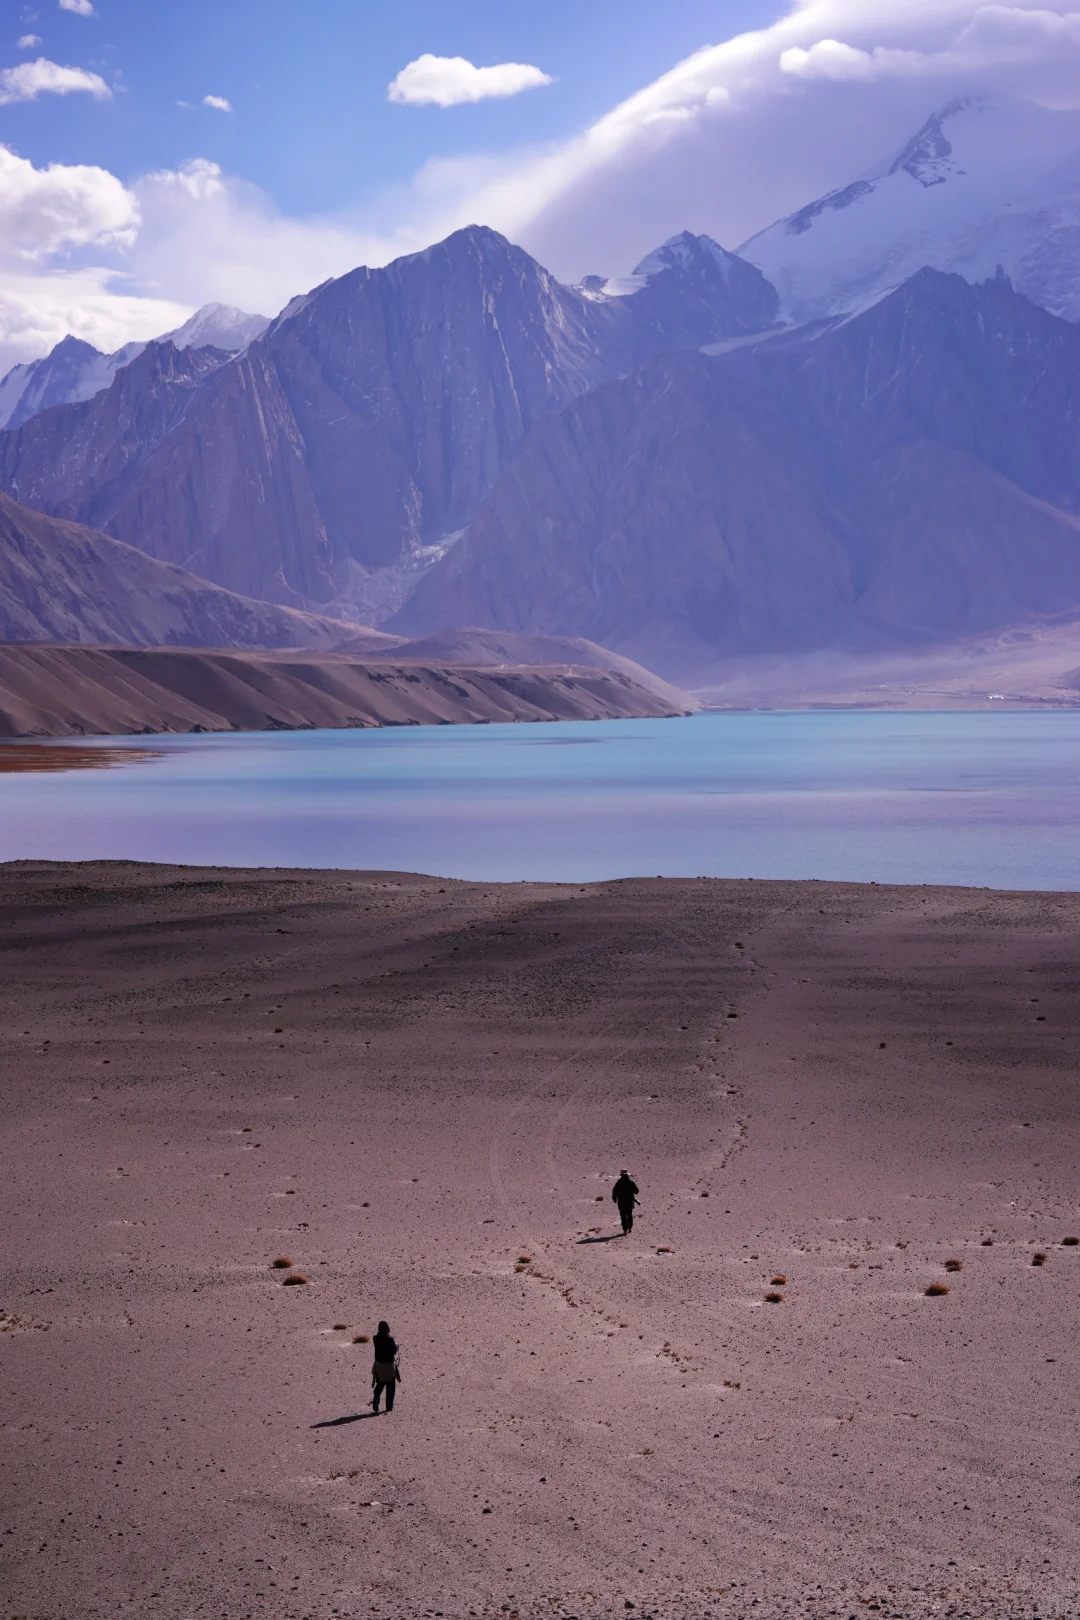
(624, 1196)
(385, 1374)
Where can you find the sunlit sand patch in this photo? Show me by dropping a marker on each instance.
(45, 756)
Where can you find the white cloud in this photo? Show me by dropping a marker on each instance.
(28, 41)
(218, 102)
(32, 79)
(81, 8)
(48, 211)
(449, 81)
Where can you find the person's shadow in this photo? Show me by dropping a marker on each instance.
(354, 1417)
(607, 1237)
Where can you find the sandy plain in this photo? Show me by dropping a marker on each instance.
(420, 1092)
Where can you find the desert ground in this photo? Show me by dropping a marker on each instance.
(419, 1093)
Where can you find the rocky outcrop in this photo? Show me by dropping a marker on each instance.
(909, 473)
(81, 691)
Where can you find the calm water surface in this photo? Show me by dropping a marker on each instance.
(906, 798)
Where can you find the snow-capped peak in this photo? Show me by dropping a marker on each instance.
(218, 326)
(963, 175)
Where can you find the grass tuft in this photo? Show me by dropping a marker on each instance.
(295, 1280)
(954, 1265)
(778, 1281)
(362, 1338)
(1038, 1259)
(341, 1327)
(774, 1299)
(524, 1259)
(1070, 1242)
(282, 1263)
(936, 1290)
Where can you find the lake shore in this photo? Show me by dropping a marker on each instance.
(419, 1092)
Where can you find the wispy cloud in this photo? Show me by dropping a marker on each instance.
(450, 81)
(81, 8)
(28, 41)
(32, 79)
(218, 102)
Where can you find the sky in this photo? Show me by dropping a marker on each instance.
(154, 157)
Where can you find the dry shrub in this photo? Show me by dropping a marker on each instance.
(341, 1327)
(936, 1290)
(1038, 1259)
(988, 1243)
(778, 1281)
(362, 1338)
(295, 1280)
(774, 1299)
(954, 1265)
(1070, 1242)
(524, 1259)
(664, 1249)
(282, 1263)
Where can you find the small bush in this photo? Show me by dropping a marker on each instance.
(362, 1338)
(774, 1299)
(936, 1290)
(778, 1281)
(1070, 1242)
(1038, 1259)
(341, 1327)
(282, 1263)
(954, 1265)
(295, 1280)
(524, 1259)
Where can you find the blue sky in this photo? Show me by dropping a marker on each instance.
(311, 123)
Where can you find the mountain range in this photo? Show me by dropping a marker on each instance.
(859, 431)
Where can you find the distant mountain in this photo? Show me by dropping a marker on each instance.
(345, 450)
(217, 326)
(74, 371)
(906, 474)
(688, 293)
(986, 182)
(63, 582)
(71, 372)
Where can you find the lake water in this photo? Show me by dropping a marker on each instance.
(905, 798)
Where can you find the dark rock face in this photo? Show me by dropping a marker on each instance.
(909, 473)
(368, 422)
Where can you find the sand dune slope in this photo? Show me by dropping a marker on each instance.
(61, 691)
(420, 1092)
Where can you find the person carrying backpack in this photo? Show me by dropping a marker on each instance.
(624, 1196)
(385, 1373)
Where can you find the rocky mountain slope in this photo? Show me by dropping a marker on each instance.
(906, 474)
(63, 582)
(79, 691)
(75, 370)
(987, 182)
(344, 451)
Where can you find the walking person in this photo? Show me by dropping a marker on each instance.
(624, 1196)
(385, 1373)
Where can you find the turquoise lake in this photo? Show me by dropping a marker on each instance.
(979, 799)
